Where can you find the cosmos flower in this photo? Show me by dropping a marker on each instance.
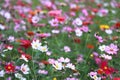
(35, 19)
(78, 32)
(77, 22)
(43, 72)
(67, 49)
(111, 49)
(10, 68)
(24, 68)
(25, 43)
(102, 48)
(70, 65)
(105, 69)
(58, 65)
(54, 22)
(36, 44)
(107, 57)
(43, 48)
(2, 73)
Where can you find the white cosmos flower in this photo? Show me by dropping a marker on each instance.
(35, 19)
(2, 72)
(2, 27)
(25, 69)
(71, 66)
(24, 58)
(18, 75)
(102, 48)
(108, 31)
(77, 22)
(36, 44)
(7, 15)
(78, 32)
(57, 65)
(43, 48)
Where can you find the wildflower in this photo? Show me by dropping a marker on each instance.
(54, 23)
(111, 49)
(55, 13)
(77, 22)
(35, 19)
(105, 69)
(55, 31)
(43, 48)
(18, 75)
(103, 27)
(25, 57)
(25, 43)
(94, 76)
(107, 57)
(2, 73)
(67, 49)
(78, 32)
(25, 69)
(65, 60)
(71, 66)
(80, 58)
(57, 65)
(11, 38)
(108, 31)
(77, 40)
(2, 27)
(43, 72)
(9, 68)
(36, 44)
(102, 48)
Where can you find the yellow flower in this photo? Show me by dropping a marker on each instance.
(54, 78)
(102, 27)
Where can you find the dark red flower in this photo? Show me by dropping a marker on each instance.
(77, 40)
(25, 43)
(117, 25)
(45, 62)
(10, 68)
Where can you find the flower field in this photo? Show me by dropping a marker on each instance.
(59, 39)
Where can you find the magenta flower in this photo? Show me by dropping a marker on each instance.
(111, 49)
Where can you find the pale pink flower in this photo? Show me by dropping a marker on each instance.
(67, 49)
(111, 49)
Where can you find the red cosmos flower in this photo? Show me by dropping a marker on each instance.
(10, 68)
(25, 43)
(105, 69)
(116, 78)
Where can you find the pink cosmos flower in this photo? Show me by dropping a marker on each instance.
(100, 39)
(55, 13)
(43, 72)
(54, 22)
(111, 49)
(67, 49)
(84, 28)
